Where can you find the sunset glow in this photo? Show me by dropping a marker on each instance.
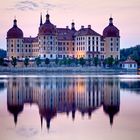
(96, 13)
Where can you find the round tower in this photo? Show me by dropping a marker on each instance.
(14, 41)
(111, 36)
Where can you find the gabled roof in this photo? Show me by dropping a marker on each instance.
(65, 34)
(86, 32)
(129, 61)
(30, 39)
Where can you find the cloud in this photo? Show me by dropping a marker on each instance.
(31, 5)
(27, 131)
(26, 5)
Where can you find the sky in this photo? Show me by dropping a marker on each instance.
(126, 15)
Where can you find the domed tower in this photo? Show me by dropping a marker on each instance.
(14, 98)
(111, 98)
(112, 41)
(47, 39)
(14, 41)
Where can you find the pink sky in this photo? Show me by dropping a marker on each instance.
(126, 16)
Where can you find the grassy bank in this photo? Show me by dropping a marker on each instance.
(39, 70)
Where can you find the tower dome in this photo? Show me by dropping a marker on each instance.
(111, 30)
(15, 32)
(47, 28)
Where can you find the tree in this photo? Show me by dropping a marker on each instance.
(26, 61)
(89, 61)
(69, 61)
(96, 61)
(110, 61)
(65, 61)
(75, 61)
(14, 61)
(82, 61)
(38, 61)
(1, 61)
(47, 61)
(56, 61)
(133, 52)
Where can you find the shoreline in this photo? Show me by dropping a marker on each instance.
(63, 70)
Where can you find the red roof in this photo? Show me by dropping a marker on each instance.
(65, 34)
(15, 32)
(111, 30)
(129, 61)
(86, 32)
(47, 28)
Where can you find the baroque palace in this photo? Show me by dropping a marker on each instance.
(52, 42)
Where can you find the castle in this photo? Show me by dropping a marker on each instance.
(52, 42)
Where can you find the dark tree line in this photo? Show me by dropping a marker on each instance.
(133, 52)
(2, 53)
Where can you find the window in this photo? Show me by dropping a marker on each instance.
(17, 45)
(17, 50)
(97, 49)
(96, 42)
(111, 39)
(111, 49)
(11, 50)
(93, 48)
(51, 55)
(89, 42)
(111, 44)
(89, 48)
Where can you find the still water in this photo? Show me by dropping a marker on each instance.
(80, 107)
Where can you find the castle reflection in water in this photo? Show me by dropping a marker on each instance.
(63, 95)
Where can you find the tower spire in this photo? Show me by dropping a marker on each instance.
(41, 19)
(73, 25)
(111, 20)
(15, 22)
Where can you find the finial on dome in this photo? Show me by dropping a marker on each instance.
(41, 19)
(47, 16)
(15, 21)
(111, 20)
(73, 25)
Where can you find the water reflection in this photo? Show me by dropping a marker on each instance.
(63, 95)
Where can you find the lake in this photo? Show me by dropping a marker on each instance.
(67, 107)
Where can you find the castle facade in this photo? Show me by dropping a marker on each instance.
(52, 42)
